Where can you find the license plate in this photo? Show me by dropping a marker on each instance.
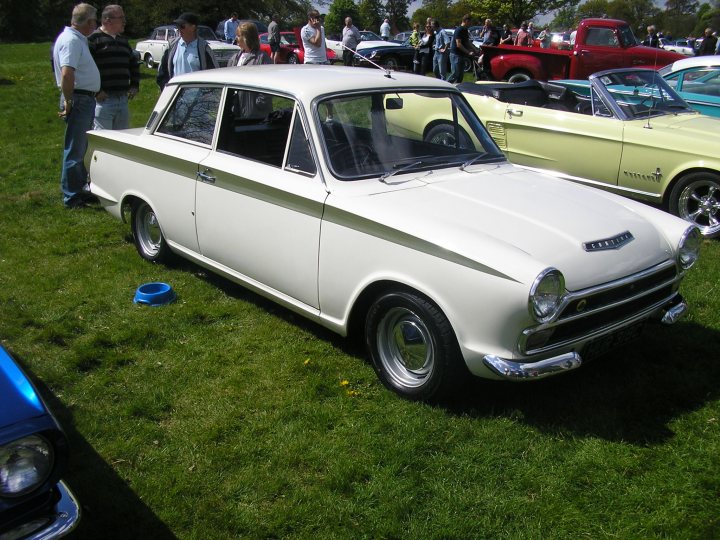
(603, 345)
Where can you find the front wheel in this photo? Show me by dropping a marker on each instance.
(392, 63)
(292, 59)
(147, 234)
(444, 134)
(696, 198)
(149, 62)
(413, 347)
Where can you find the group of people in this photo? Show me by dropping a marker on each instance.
(97, 74)
(709, 45)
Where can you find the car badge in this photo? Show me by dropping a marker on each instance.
(616, 242)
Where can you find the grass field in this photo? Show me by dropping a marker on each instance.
(225, 416)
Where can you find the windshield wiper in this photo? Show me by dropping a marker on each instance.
(471, 161)
(398, 169)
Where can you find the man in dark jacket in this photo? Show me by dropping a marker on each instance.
(708, 45)
(186, 53)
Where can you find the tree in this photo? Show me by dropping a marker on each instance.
(371, 14)
(639, 14)
(565, 19)
(682, 7)
(516, 11)
(397, 13)
(335, 18)
(592, 9)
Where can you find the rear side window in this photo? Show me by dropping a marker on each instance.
(193, 115)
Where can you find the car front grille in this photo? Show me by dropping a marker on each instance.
(606, 308)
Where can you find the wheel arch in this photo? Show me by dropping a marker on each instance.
(438, 122)
(679, 175)
(363, 301)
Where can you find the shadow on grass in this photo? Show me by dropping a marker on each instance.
(110, 508)
(631, 395)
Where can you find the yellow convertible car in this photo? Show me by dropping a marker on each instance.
(624, 130)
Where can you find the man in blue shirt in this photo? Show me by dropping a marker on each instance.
(442, 51)
(186, 53)
(78, 78)
(230, 27)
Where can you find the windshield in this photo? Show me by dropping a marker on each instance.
(392, 133)
(641, 94)
(627, 36)
(206, 33)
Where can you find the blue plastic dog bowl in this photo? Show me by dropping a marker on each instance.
(154, 294)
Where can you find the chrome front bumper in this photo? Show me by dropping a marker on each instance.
(59, 523)
(508, 369)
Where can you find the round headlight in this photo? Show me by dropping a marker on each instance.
(689, 247)
(546, 294)
(25, 464)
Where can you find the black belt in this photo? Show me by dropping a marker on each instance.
(84, 92)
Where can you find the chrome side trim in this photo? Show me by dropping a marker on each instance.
(507, 369)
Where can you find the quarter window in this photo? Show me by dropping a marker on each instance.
(193, 114)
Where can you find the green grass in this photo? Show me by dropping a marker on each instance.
(225, 416)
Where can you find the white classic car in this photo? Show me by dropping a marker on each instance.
(327, 196)
(152, 49)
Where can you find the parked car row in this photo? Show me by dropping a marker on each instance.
(152, 49)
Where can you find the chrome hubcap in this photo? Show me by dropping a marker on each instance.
(149, 232)
(405, 347)
(700, 204)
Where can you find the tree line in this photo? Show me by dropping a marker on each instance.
(42, 20)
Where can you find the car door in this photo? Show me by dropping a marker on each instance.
(182, 138)
(260, 198)
(600, 50)
(578, 145)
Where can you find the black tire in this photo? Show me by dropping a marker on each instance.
(467, 64)
(292, 59)
(149, 62)
(392, 63)
(413, 348)
(519, 76)
(147, 234)
(443, 134)
(696, 198)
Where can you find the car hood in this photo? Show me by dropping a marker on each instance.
(18, 399)
(515, 223)
(690, 133)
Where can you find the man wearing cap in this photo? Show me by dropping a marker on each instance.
(186, 53)
(78, 78)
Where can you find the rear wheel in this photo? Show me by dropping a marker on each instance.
(696, 198)
(292, 59)
(413, 347)
(147, 234)
(519, 76)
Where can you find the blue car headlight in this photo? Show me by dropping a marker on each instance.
(25, 464)
(689, 247)
(546, 294)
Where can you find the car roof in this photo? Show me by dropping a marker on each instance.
(306, 82)
(695, 61)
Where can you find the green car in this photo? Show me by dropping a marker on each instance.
(623, 130)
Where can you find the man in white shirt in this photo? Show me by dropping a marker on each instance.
(313, 38)
(350, 39)
(385, 30)
(78, 78)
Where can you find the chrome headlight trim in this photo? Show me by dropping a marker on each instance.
(689, 247)
(25, 464)
(546, 294)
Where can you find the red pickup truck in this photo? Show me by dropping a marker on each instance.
(599, 44)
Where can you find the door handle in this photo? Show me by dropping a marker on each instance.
(205, 177)
(514, 112)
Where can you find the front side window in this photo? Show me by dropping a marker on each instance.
(193, 114)
(256, 125)
(384, 133)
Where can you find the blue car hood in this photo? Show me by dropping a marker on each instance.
(18, 399)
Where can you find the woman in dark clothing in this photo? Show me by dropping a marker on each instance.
(426, 50)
